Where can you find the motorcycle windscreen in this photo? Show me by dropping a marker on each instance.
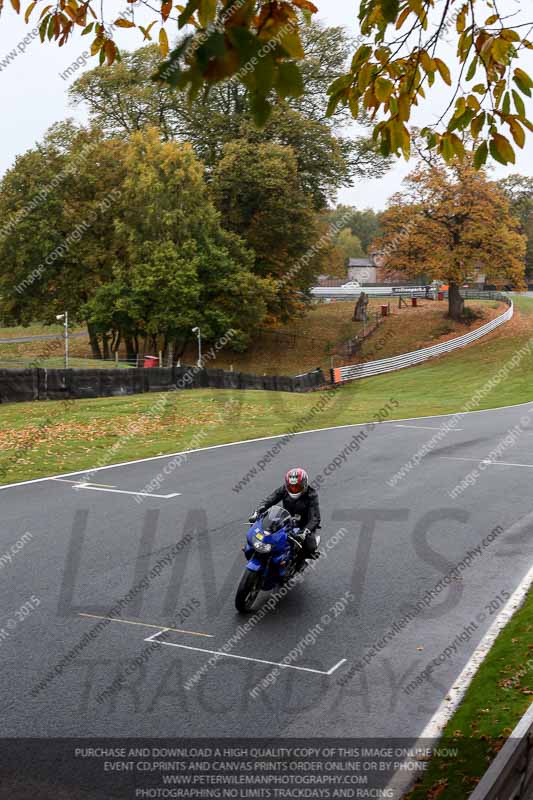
(275, 519)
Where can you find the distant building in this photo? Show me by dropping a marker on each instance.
(369, 270)
(363, 270)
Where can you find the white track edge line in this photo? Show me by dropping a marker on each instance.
(90, 470)
(403, 782)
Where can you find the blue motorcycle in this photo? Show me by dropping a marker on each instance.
(273, 551)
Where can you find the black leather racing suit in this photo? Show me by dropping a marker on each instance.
(306, 507)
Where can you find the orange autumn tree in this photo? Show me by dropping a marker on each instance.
(449, 223)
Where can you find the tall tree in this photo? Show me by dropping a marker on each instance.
(134, 248)
(363, 224)
(58, 228)
(259, 44)
(169, 239)
(123, 99)
(257, 190)
(349, 245)
(449, 223)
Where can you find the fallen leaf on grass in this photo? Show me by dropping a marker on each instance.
(437, 789)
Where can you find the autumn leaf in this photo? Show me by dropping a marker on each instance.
(29, 10)
(502, 147)
(121, 22)
(481, 155)
(393, 68)
(518, 132)
(444, 71)
(163, 42)
(446, 244)
(166, 8)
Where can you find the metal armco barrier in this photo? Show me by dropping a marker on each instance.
(356, 371)
(510, 776)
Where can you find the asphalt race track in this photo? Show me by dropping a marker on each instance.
(91, 544)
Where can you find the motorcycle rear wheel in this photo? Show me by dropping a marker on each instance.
(247, 591)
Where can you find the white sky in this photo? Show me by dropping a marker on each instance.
(33, 95)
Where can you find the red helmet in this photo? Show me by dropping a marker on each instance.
(296, 481)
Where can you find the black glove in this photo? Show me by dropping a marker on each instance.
(253, 517)
(306, 531)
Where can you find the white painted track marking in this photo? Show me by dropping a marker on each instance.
(65, 480)
(337, 665)
(487, 461)
(155, 635)
(246, 658)
(97, 488)
(160, 628)
(107, 487)
(423, 427)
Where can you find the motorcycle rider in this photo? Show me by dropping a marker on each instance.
(301, 501)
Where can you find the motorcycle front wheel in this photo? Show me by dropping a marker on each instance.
(247, 591)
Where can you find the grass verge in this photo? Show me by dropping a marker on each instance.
(497, 698)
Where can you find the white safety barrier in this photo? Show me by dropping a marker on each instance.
(352, 293)
(356, 371)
